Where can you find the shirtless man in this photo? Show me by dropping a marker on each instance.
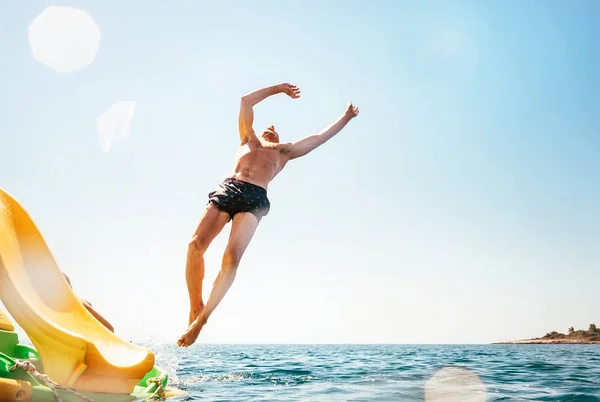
(242, 198)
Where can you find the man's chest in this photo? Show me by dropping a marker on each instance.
(260, 155)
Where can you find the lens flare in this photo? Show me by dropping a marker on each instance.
(114, 123)
(64, 39)
(454, 384)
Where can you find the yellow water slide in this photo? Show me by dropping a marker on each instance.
(76, 350)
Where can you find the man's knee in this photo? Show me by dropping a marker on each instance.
(231, 259)
(198, 244)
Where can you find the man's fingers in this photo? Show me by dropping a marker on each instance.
(292, 90)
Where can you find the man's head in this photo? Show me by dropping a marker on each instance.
(68, 279)
(270, 135)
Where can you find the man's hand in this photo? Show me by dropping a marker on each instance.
(246, 117)
(290, 90)
(351, 111)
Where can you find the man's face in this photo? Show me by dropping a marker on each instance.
(68, 280)
(270, 135)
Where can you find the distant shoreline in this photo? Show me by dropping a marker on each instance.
(574, 337)
(544, 341)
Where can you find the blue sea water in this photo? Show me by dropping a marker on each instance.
(383, 372)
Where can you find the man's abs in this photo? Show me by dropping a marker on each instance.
(256, 165)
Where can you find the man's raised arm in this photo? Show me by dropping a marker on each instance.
(305, 145)
(246, 118)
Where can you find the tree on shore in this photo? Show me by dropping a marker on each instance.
(592, 333)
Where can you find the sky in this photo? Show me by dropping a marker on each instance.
(460, 206)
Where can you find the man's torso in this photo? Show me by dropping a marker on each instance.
(258, 162)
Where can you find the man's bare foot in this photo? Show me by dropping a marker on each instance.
(194, 313)
(192, 332)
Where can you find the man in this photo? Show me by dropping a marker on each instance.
(89, 308)
(242, 198)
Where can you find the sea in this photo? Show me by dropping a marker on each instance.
(461, 373)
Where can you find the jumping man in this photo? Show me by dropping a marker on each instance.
(242, 198)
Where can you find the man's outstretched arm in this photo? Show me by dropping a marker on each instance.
(246, 118)
(306, 145)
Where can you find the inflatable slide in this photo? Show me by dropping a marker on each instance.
(75, 349)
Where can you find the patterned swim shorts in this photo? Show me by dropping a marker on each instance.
(234, 196)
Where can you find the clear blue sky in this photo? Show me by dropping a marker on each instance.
(462, 205)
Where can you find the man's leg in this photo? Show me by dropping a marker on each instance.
(211, 223)
(242, 229)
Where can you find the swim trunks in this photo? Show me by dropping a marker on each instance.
(234, 196)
